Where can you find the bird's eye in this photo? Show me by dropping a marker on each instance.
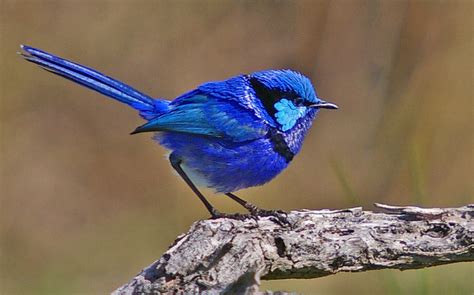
(299, 102)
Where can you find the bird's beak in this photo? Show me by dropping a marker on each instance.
(324, 105)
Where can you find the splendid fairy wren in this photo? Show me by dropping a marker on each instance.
(225, 135)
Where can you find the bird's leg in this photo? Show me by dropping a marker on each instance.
(247, 205)
(255, 211)
(279, 216)
(176, 164)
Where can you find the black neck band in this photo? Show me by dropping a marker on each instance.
(279, 145)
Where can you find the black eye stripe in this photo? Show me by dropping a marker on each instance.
(301, 102)
(268, 97)
(307, 103)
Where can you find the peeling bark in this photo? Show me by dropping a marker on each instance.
(228, 255)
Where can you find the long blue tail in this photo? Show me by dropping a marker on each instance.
(146, 105)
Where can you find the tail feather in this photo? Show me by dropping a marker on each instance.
(148, 106)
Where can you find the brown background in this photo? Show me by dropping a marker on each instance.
(84, 206)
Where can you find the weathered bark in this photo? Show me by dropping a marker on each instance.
(227, 255)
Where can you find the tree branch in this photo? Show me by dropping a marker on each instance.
(227, 255)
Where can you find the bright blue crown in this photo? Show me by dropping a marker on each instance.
(287, 82)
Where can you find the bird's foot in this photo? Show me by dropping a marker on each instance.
(279, 216)
(237, 216)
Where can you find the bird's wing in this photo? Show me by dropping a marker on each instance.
(203, 114)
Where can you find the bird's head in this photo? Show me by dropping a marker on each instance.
(287, 96)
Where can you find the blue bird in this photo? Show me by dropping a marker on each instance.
(225, 135)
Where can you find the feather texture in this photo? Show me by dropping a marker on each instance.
(147, 106)
(226, 135)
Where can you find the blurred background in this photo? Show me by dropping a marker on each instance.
(84, 206)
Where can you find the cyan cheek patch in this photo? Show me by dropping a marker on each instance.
(287, 113)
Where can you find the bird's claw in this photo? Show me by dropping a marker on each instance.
(278, 216)
(237, 216)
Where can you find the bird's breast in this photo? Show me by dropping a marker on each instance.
(290, 142)
(228, 166)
